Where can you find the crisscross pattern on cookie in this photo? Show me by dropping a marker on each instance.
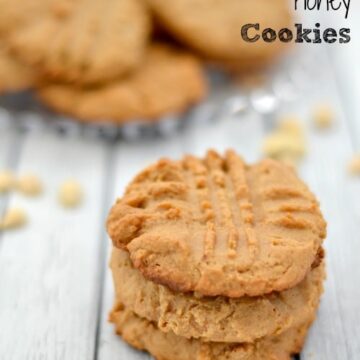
(218, 226)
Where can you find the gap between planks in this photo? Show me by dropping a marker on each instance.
(11, 142)
(51, 270)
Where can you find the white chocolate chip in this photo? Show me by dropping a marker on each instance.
(7, 181)
(323, 116)
(291, 125)
(29, 185)
(13, 218)
(70, 194)
(354, 165)
(278, 144)
(286, 143)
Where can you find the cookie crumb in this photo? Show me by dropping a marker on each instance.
(13, 219)
(70, 194)
(323, 116)
(29, 185)
(354, 165)
(7, 181)
(286, 143)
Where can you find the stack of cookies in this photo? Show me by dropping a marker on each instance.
(216, 259)
(98, 60)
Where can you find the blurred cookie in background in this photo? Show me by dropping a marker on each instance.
(78, 41)
(213, 28)
(169, 81)
(97, 61)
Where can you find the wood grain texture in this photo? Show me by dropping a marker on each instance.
(345, 60)
(9, 140)
(10, 150)
(49, 270)
(336, 332)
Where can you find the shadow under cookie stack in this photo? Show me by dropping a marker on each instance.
(216, 259)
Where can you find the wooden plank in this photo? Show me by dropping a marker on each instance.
(130, 158)
(49, 271)
(345, 59)
(336, 333)
(8, 139)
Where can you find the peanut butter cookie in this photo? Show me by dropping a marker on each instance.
(144, 335)
(80, 41)
(168, 82)
(214, 27)
(217, 226)
(245, 319)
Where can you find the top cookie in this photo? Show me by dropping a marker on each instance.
(79, 41)
(218, 226)
(214, 27)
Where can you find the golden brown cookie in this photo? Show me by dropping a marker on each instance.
(218, 226)
(144, 335)
(14, 76)
(168, 82)
(216, 319)
(214, 27)
(81, 41)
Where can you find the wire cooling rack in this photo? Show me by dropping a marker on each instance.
(280, 85)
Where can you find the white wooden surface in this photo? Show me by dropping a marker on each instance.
(49, 272)
(55, 287)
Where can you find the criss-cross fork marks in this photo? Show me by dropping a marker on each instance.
(231, 200)
(223, 196)
(294, 209)
(231, 203)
